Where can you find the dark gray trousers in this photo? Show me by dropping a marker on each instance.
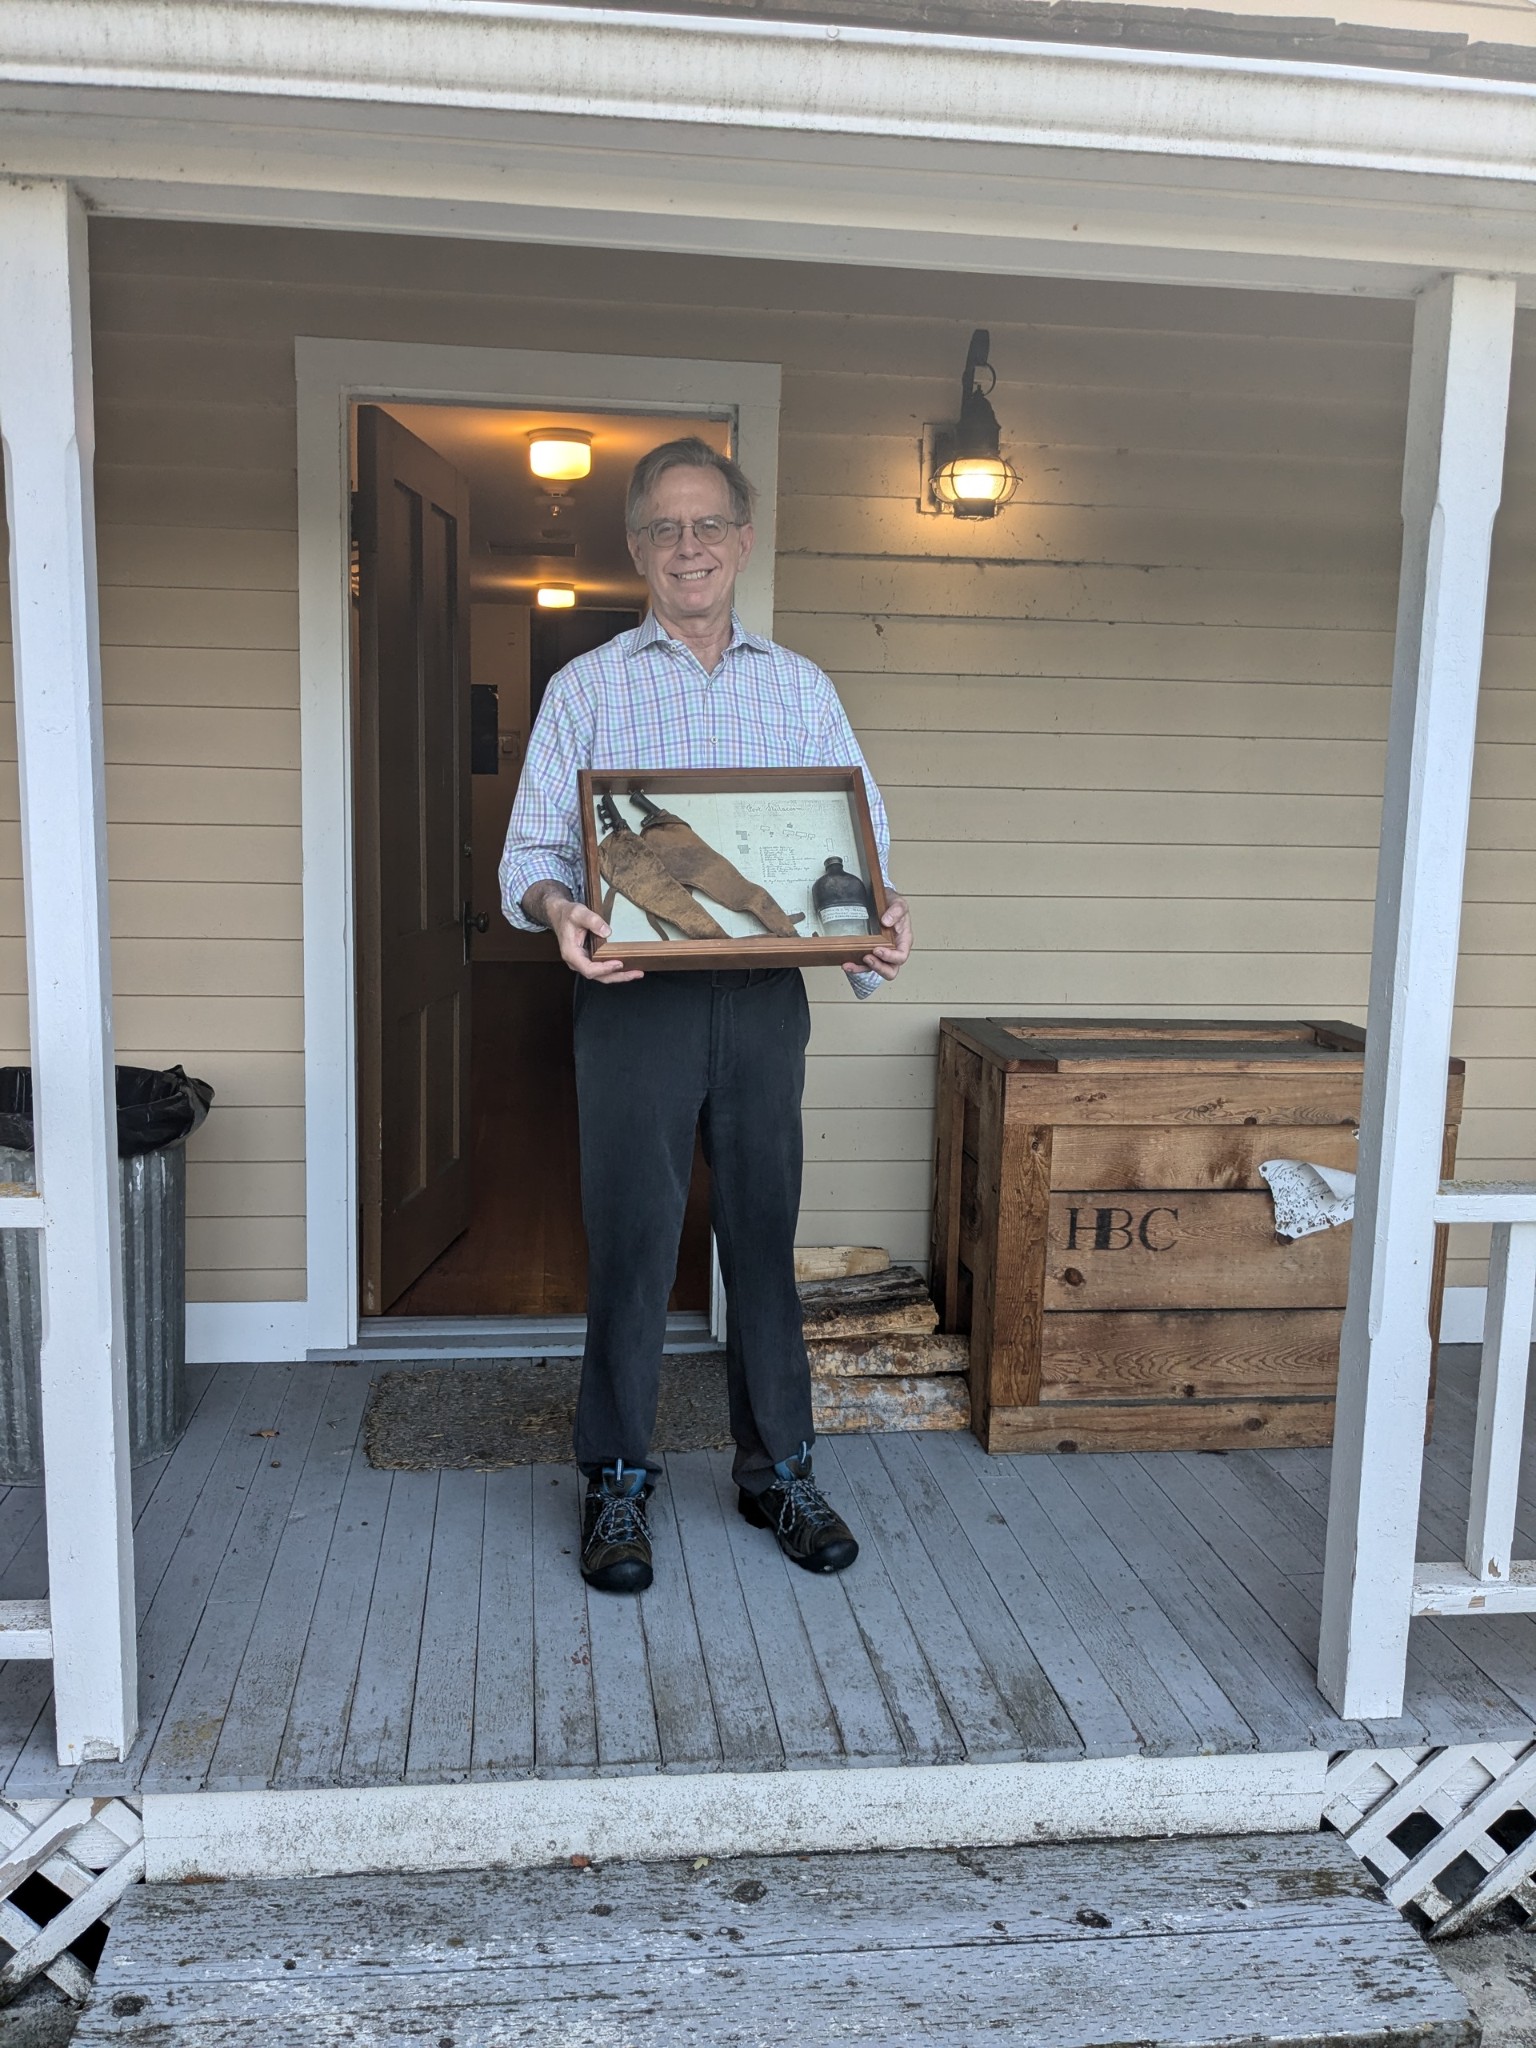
(656, 1059)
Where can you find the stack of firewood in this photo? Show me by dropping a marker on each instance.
(872, 1332)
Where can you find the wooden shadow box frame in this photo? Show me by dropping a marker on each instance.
(769, 950)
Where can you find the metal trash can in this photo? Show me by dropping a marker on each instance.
(157, 1111)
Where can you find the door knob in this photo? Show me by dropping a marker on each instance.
(473, 923)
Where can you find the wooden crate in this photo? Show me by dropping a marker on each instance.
(1102, 1233)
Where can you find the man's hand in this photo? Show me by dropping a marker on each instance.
(888, 960)
(550, 904)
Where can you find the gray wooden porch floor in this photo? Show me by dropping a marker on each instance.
(307, 1621)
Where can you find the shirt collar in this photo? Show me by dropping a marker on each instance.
(650, 633)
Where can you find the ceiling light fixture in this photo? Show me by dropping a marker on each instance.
(556, 597)
(560, 454)
(964, 469)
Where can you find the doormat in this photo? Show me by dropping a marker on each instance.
(457, 1419)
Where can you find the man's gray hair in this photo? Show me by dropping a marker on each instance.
(689, 453)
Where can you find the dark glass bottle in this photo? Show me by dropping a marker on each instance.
(842, 904)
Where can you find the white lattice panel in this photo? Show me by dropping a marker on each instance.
(1465, 1791)
(92, 1850)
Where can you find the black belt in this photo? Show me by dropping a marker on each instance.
(742, 977)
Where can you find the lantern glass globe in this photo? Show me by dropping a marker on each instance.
(977, 480)
(560, 455)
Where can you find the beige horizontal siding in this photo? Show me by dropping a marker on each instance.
(218, 1188)
(230, 1244)
(169, 910)
(250, 1283)
(1131, 733)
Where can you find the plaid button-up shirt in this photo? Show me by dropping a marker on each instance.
(644, 701)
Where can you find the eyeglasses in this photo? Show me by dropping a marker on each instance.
(666, 533)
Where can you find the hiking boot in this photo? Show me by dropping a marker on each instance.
(615, 1535)
(811, 1533)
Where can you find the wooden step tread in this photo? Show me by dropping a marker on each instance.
(1185, 1943)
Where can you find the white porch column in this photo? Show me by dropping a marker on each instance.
(47, 427)
(1452, 477)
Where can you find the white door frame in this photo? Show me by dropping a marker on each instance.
(332, 376)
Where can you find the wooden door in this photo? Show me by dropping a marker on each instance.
(413, 855)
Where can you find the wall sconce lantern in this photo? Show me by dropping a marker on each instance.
(556, 597)
(964, 469)
(562, 454)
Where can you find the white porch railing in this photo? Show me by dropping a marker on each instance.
(1491, 1580)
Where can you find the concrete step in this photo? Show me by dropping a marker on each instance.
(1161, 1944)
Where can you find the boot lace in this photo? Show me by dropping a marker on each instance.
(621, 1519)
(801, 1500)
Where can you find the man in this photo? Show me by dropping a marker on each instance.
(659, 1056)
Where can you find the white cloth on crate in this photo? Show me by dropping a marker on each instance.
(1308, 1198)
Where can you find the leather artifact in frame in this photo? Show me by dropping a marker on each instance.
(631, 869)
(744, 848)
(697, 865)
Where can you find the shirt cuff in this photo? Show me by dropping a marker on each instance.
(522, 875)
(864, 985)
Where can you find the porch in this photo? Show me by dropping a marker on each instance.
(307, 1623)
(309, 1627)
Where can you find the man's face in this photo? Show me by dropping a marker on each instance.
(695, 580)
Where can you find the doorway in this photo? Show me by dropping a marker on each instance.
(475, 582)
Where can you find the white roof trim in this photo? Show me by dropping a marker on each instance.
(736, 72)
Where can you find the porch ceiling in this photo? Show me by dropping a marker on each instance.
(717, 134)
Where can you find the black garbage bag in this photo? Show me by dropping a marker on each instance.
(156, 1107)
